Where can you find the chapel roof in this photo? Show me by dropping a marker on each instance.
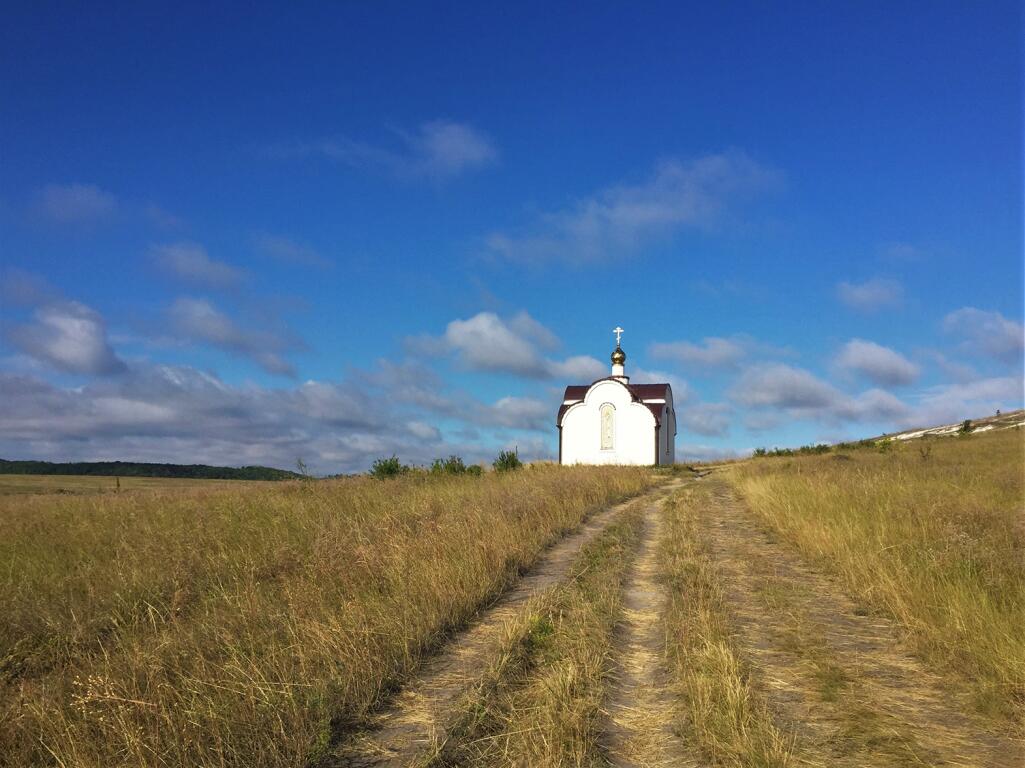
(642, 393)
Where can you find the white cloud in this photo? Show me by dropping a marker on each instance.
(709, 419)
(489, 343)
(288, 251)
(485, 342)
(697, 452)
(446, 148)
(959, 372)
(523, 324)
(987, 333)
(176, 413)
(69, 336)
(950, 403)
(199, 321)
(191, 263)
(423, 431)
(161, 218)
(169, 413)
(799, 394)
(578, 368)
(880, 364)
(622, 219)
(519, 413)
(74, 203)
(777, 385)
(874, 405)
(712, 352)
(871, 295)
(439, 149)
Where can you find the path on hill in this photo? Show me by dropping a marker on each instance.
(639, 730)
(415, 717)
(844, 681)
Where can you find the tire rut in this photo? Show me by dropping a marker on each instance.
(641, 710)
(803, 634)
(415, 718)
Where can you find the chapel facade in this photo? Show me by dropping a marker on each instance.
(612, 421)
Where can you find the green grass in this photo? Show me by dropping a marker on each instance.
(932, 538)
(241, 625)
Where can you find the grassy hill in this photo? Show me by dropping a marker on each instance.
(143, 469)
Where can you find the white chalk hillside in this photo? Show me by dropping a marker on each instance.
(1009, 420)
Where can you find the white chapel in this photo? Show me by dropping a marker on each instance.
(612, 421)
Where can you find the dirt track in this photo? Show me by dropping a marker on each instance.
(415, 718)
(842, 679)
(641, 726)
(839, 680)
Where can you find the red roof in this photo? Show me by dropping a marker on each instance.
(639, 392)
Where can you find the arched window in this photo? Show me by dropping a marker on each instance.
(608, 426)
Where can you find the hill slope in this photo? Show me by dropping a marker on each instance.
(1007, 420)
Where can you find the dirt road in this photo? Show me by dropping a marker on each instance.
(838, 681)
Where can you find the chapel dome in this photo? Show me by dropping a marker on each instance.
(618, 357)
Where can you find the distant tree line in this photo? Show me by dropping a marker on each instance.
(143, 469)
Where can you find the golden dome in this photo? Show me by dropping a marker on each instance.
(618, 357)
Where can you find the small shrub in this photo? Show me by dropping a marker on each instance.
(453, 465)
(506, 461)
(816, 449)
(475, 469)
(390, 467)
(966, 427)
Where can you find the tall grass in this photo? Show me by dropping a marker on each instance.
(722, 712)
(540, 701)
(933, 538)
(243, 627)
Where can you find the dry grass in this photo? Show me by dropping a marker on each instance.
(540, 702)
(932, 535)
(97, 484)
(243, 626)
(723, 714)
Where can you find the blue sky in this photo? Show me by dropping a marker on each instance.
(343, 231)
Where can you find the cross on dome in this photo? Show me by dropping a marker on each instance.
(619, 332)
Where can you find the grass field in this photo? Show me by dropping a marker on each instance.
(99, 484)
(855, 608)
(929, 533)
(240, 626)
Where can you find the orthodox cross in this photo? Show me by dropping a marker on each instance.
(619, 332)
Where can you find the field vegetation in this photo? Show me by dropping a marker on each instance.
(930, 533)
(247, 625)
(772, 602)
(540, 701)
(721, 712)
(99, 484)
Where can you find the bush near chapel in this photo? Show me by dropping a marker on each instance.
(390, 467)
(453, 465)
(507, 460)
